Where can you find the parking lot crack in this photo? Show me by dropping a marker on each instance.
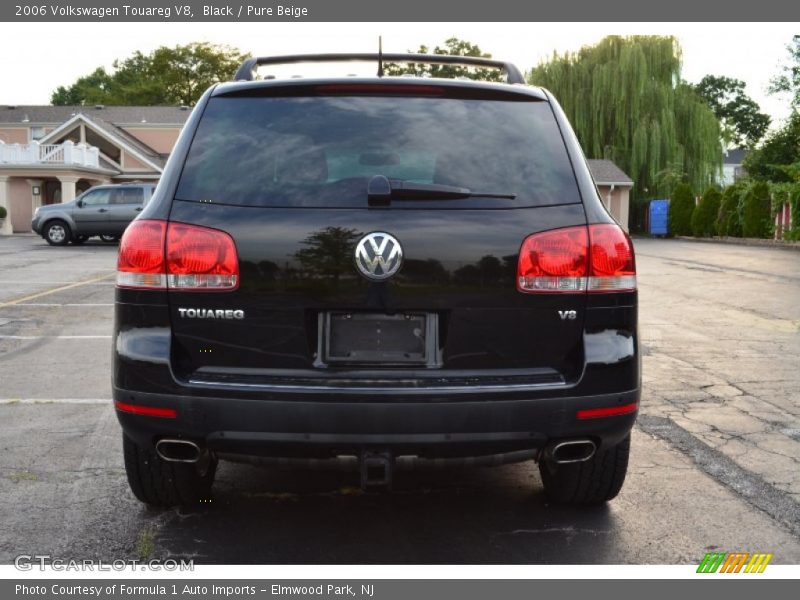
(755, 490)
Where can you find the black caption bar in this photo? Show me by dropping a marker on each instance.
(405, 10)
(385, 589)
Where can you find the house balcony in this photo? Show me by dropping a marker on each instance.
(34, 154)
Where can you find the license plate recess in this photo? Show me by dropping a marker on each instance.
(407, 338)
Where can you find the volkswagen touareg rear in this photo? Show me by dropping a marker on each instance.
(379, 268)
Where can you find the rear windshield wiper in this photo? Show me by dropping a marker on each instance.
(381, 190)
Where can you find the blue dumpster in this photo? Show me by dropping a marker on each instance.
(658, 217)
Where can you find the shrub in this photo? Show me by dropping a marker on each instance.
(728, 222)
(794, 202)
(704, 217)
(681, 206)
(3, 212)
(756, 209)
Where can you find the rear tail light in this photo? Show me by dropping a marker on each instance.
(140, 263)
(554, 261)
(199, 258)
(160, 255)
(613, 267)
(597, 258)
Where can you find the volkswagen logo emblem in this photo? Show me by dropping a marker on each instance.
(378, 256)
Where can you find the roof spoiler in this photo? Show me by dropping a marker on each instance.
(247, 71)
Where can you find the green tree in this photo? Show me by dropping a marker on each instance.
(89, 89)
(704, 217)
(788, 80)
(626, 101)
(776, 157)
(681, 207)
(454, 47)
(728, 220)
(756, 207)
(741, 119)
(166, 76)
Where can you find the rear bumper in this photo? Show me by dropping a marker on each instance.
(296, 427)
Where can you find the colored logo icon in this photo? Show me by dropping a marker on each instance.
(735, 562)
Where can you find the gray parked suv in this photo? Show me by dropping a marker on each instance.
(104, 210)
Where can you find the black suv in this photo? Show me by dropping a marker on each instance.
(384, 268)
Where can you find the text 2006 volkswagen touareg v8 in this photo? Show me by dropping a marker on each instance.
(380, 268)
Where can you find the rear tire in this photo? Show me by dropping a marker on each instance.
(160, 483)
(79, 239)
(594, 481)
(110, 239)
(57, 233)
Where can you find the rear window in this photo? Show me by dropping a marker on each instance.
(321, 151)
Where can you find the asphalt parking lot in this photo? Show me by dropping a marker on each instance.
(714, 466)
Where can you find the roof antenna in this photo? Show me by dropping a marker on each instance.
(380, 56)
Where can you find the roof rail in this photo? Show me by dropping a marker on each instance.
(247, 71)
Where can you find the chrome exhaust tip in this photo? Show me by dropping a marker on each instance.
(173, 450)
(571, 451)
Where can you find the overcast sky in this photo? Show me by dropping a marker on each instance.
(35, 58)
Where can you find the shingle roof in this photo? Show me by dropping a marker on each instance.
(734, 157)
(128, 138)
(118, 115)
(605, 171)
